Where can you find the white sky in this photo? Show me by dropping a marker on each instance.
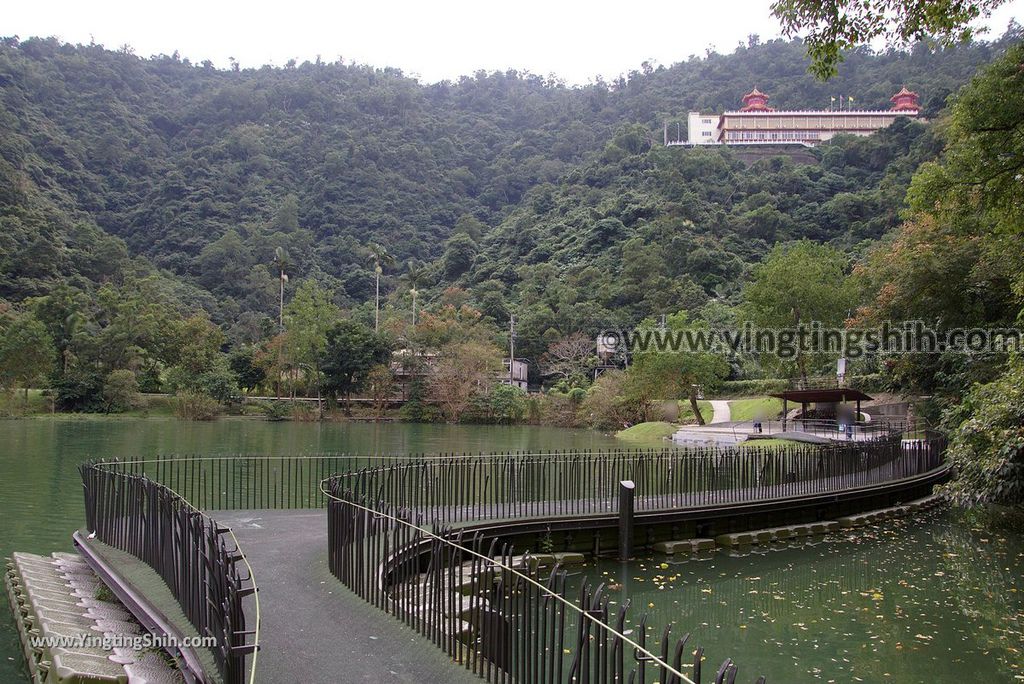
(432, 39)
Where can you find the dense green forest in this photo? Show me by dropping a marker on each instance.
(168, 226)
(106, 157)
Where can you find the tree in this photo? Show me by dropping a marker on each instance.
(462, 373)
(506, 403)
(351, 353)
(413, 276)
(242, 362)
(957, 260)
(311, 313)
(199, 365)
(131, 327)
(459, 252)
(571, 357)
(63, 312)
(835, 25)
(26, 352)
(120, 391)
(281, 264)
(274, 359)
(606, 406)
(987, 444)
(798, 284)
(981, 168)
(675, 374)
(381, 383)
(379, 257)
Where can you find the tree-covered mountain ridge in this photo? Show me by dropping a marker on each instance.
(112, 165)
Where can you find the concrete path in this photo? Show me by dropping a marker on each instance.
(313, 628)
(722, 413)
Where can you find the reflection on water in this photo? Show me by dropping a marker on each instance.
(922, 600)
(41, 493)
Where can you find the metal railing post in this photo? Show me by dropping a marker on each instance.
(627, 496)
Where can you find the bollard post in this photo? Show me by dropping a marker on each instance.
(627, 490)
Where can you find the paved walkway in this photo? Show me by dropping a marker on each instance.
(313, 628)
(721, 409)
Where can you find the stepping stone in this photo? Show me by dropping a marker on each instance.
(43, 618)
(78, 668)
(108, 612)
(570, 558)
(735, 539)
(673, 547)
(152, 671)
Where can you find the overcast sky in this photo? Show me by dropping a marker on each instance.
(434, 40)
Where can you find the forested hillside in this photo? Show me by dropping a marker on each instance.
(114, 165)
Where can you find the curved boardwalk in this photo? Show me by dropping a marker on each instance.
(313, 628)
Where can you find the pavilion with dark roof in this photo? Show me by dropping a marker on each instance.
(827, 395)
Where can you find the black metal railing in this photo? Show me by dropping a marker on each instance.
(392, 537)
(515, 483)
(206, 573)
(390, 540)
(501, 487)
(501, 617)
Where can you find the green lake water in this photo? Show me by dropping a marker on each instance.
(930, 600)
(41, 493)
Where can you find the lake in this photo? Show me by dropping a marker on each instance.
(928, 600)
(41, 492)
(936, 599)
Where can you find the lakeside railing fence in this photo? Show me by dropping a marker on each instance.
(391, 541)
(206, 573)
(465, 487)
(459, 490)
(500, 616)
(398, 537)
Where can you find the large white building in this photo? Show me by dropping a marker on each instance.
(758, 124)
(702, 129)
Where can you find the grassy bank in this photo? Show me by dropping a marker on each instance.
(653, 431)
(761, 407)
(686, 412)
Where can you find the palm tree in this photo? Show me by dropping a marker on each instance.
(281, 262)
(379, 257)
(412, 277)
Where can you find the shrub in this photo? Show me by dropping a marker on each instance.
(750, 388)
(987, 440)
(120, 391)
(218, 382)
(414, 409)
(277, 410)
(79, 389)
(190, 405)
(305, 411)
(606, 406)
(507, 403)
